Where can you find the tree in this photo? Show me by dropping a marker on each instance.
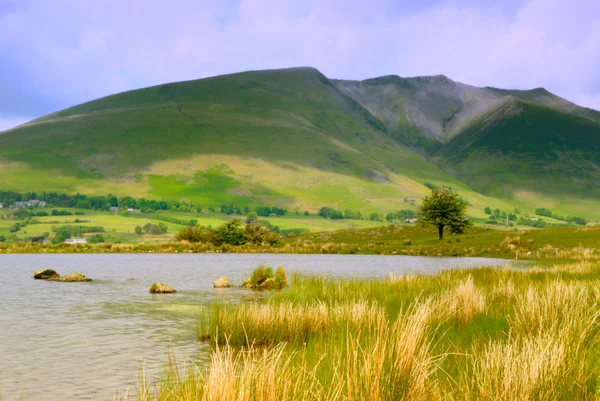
(138, 230)
(444, 208)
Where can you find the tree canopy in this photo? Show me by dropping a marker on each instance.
(444, 208)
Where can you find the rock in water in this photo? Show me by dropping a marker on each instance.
(71, 278)
(222, 283)
(160, 288)
(45, 274)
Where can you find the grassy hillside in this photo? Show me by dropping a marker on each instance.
(285, 137)
(526, 146)
(295, 139)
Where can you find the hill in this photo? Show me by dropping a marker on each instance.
(296, 139)
(525, 145)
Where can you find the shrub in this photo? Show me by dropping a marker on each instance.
(258, 234)
(231, 233)
(195, 234)
(95, 239)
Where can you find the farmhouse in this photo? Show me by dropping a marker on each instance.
(76, 241)
(29, 203)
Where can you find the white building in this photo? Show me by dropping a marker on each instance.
(413, 220)
(76, 241)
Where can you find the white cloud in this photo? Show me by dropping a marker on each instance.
(73, 52)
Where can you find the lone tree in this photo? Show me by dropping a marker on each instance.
(444, 208)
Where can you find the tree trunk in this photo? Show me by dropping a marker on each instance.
(441, 232)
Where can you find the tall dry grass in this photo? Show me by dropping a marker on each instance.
(475, 334)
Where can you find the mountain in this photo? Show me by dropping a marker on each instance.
(295, 138)
(495, 140)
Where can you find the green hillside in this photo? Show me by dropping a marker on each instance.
(285, 137)
(295, 139)
(526, 146)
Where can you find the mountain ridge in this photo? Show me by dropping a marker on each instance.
(292, 137)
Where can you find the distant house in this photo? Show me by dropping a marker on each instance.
(129, 209)
(76, 241)
(29, 203)
(413, 220)
(272, 215)
(114, 209)
(534, 219)
(1, 206)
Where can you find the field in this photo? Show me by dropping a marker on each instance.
(121, 229)
(478, 334)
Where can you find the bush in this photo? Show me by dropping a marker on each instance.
(96, 239)
(195, 234)
(60, 213)
(259, 234)
(400, 215)
(155, 229)
(375, 217)
(231, 233)
(2, 238)
(542, 211)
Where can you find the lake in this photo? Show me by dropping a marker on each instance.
(80, 341)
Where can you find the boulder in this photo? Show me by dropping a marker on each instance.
(221, 283)
(45, 274)
(160, 288)
(71, 278)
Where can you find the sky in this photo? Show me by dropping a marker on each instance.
(59, 53)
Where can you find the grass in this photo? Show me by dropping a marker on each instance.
(473, 334)
(526, 146)
(543, 245)
(285, 137)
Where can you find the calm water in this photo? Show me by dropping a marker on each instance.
(76, 341)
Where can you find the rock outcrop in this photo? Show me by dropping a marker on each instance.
(71, 278)
(160, 288)
(45, 274)
(223, 282)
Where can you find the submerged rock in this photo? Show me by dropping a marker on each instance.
(160, 288)
(71, 278)
(223, 282)
(45, 274)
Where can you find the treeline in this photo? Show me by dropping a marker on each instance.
(234, 232)
(542, 211)
(153, 229)
(100, 202)
(264, 211)
(334, 214)
(106, 202)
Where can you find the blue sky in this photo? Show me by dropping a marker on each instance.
(58, 53)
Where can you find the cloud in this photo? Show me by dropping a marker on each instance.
(66, 51)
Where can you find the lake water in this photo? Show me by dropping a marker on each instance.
(80, 341)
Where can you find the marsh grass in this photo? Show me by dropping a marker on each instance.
(473, 334)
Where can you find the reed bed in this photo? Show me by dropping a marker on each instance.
(474, 334)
